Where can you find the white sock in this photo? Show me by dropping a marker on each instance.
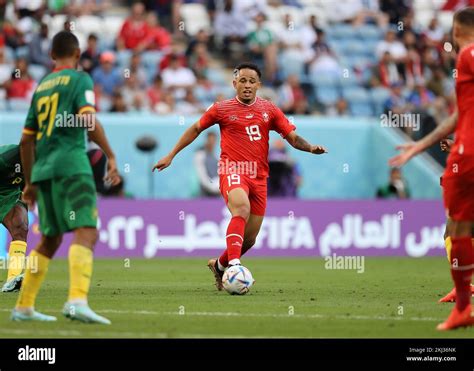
(234, 262)
(220, 266)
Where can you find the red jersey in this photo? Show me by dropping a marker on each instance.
(245, 130)
(461, 158)
(133, 33)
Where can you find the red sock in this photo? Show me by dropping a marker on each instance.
(235, 238)
(462, 260)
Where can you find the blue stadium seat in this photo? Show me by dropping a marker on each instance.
(123, 58)
(22, 52)
(17, 104)
(291, 66)
(359, 101)
(327, 95)
(325, 80)
(349, 80)
(37, 71)
(9, 54)
(369, 32)
(216, 76)
(341, 31)
(151, 60)
(356, 48)
(379, 96)
(3, 105)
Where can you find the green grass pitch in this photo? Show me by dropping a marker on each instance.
(394, 297)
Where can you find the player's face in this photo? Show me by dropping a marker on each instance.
(454, 36)
(246, 83)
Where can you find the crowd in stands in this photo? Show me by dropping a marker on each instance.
(338, 58)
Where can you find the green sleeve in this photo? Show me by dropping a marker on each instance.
(84, 97)
(31, 124)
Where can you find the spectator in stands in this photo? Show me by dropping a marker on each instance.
(189, 105)
(324, 60)
(387, 71)
(134, 30)
(155, 92)
(157, 38)
(166, 105)
(434, 33)
(90, 57)
(291, 97)
(118, 103)
(285, 177)
(230, 26)
(202, 36)
(199, 59)
(39, 48)
(340, 109)
(206, 164)
(397, 102)
(131, 90)
(263, 48)
(421, 97)
(177, 78)
(396, 187)
(137, 69)
(176, 49)
(106, 75)
(5, 67)
(313, 22)
(395, 9)
(392, 45)
(12, 35)
(250, 8)
(413, 67)
(21, 85)
(439, 83)
(296, 40)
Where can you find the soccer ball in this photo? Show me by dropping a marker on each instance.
(237, 280)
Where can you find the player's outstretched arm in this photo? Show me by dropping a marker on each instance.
(97, 135)
(27, 152)
(300, 143)
(412, 149)
(186, 139)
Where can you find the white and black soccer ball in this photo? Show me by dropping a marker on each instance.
(237, 280)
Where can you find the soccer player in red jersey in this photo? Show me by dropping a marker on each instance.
(458, 178)
(245, 123)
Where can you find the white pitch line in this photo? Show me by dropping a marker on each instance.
(260, 315)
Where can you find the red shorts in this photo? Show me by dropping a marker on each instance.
(256, 189)
(458, 194)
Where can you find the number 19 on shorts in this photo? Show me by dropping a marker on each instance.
(233, 179)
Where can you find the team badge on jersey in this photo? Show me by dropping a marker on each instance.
(265, 117)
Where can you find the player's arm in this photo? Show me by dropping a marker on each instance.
(96, 134)
(412, 149)
(301, 144)
(186, 139)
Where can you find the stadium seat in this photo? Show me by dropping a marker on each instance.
(17, 104)
(151, 60)
(216, 76)
(359, 100)
(327, 95)
(324, 80)
(379, 96)
(290, 65)
(88, 24)
(112, 25)
(356, 48)
(9, 53)
(369, 32)
(37, 71)
(3, 105)
(22, 52)
(123, 58)
(347, 80)
(195, 18)
(341, 31)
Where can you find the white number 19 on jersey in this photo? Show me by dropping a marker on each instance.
(253, 132)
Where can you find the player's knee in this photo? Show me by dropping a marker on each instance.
(242, 210)
(86, 236)
(19, 231)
